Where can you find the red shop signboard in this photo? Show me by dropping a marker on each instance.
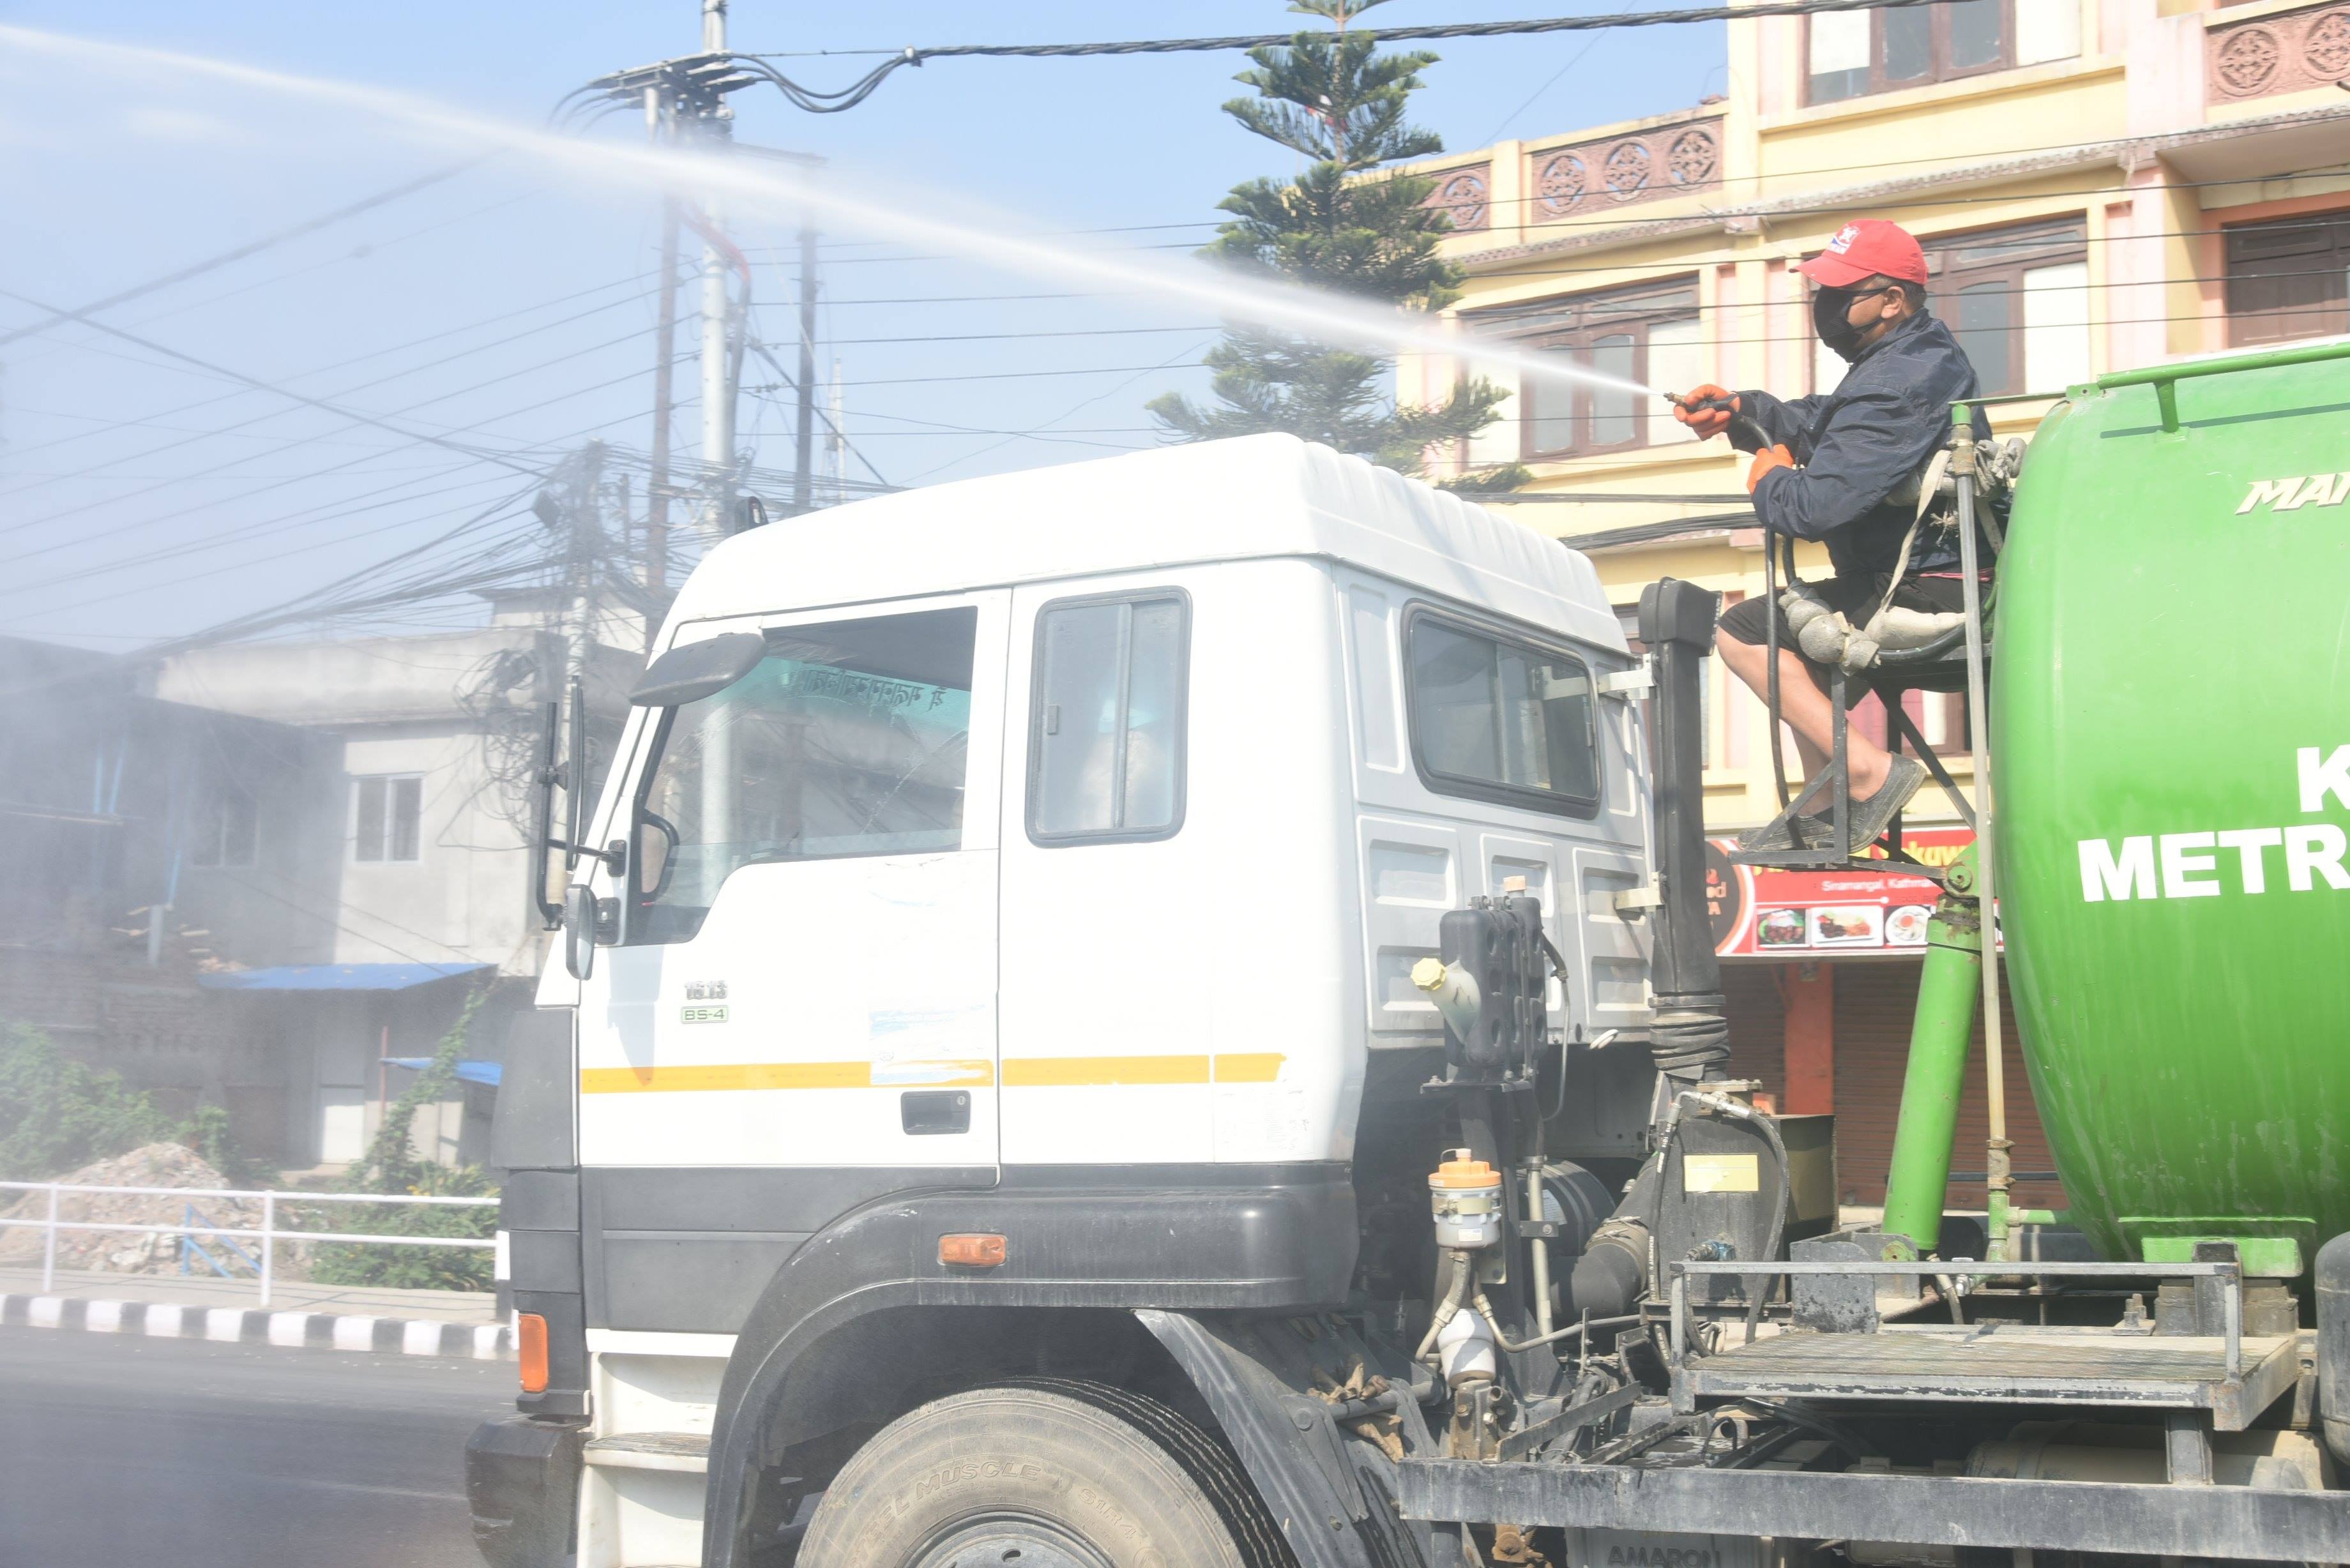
(1763, 913)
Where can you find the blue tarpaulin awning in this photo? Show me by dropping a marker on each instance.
(338, 976)
(484, 1073)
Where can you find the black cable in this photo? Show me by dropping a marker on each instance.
(301, 440)
(716, 81)
(303, 517)
(335, 468)
(208, 367)
(212, 264)
(1376, 35)
(1872, 201)
(334, 365)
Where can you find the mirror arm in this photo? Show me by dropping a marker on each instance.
(614, 860)
(550, 912)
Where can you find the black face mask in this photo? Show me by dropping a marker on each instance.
(1829, 309)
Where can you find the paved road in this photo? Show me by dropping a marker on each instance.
(127, 1453)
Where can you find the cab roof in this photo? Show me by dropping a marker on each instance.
(1251, 498)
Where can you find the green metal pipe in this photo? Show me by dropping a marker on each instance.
(1947, 991)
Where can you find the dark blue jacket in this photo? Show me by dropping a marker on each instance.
(1859, 443)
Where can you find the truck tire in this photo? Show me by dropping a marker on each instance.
(1044, 1473)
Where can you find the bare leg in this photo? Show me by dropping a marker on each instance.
(1807, 710)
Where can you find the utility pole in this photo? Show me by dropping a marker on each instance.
(717, 361)
(804, 448)
(836, 445)
(660, 118)
(585, 541)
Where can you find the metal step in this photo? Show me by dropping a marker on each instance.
(685, 1452)
(2011, 1364)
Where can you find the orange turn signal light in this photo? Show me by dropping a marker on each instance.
(971, 1249)
(530, 1349)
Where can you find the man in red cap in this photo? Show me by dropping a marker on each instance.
(1841, 468)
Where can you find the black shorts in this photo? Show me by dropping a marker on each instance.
(1856, 597)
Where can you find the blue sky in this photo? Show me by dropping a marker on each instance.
(141, 497)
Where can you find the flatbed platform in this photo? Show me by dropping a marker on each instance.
(2004, 1363)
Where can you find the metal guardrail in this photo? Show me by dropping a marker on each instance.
(266, 1235)
(1966, 1270)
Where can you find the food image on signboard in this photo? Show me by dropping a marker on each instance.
(1906, 926)
(1778, 929)
(1849, 925)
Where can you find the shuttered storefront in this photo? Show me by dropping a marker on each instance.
(1875, 1001)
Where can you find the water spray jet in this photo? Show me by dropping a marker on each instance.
(667, 169)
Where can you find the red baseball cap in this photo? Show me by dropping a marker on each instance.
(1869, 248)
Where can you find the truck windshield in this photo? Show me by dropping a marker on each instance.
(850, 738)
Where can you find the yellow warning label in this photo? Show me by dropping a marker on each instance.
(1721, 1173)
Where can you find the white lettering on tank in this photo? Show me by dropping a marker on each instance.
(2314, 849)
(2182, 873)
(2105, 875)
(2320, 779)
(2277, 491)
(2318, 492)
(2248, 843)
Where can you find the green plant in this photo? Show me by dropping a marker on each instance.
(391, 1165)
(57, 1113)
(1334, 99)
(207, 1131)
(409, 1268)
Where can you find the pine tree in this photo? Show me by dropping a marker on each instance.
(1335, 99)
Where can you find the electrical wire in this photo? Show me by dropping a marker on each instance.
(84, 317)
(344, 363)
(1864, 201)
(267, 242)
(106, 465)
(263, 490)
(818, 101)
(302, 518)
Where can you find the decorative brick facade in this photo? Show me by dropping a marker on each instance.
(2287, 53)
(1466, 194)
(1622, 171)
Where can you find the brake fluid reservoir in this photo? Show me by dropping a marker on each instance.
(1466, 1195)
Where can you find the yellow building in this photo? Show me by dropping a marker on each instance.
(2099, 184)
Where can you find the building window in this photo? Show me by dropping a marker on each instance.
(1494, 718)
(1854, 53)
(1649, 337)
(1106, 721)
(850, 737)
(2288, 280)
(227, 829)
(389, 819)
(2018, 300)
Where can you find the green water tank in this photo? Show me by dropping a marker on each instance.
(2171, 734)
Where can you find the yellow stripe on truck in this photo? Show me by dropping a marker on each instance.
(1019, 1072)
(780, 1075)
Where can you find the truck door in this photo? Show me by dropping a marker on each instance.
(804, 976)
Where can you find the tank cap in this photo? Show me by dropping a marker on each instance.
(1460, 1169)
(1428, 973)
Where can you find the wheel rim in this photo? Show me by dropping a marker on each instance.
(1008, 1540)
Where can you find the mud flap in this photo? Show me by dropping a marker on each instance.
(1332, 1496)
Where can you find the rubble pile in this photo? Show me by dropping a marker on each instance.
(130, 1252)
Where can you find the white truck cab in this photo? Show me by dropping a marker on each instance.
(1006, 925)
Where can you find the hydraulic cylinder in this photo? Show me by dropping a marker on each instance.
(1947, 995)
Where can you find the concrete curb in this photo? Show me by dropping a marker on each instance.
(241, 1325)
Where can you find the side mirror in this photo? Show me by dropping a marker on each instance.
(698, 670)
(580, 930)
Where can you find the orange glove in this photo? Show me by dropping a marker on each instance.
(1706, 422)
(1769, 458)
